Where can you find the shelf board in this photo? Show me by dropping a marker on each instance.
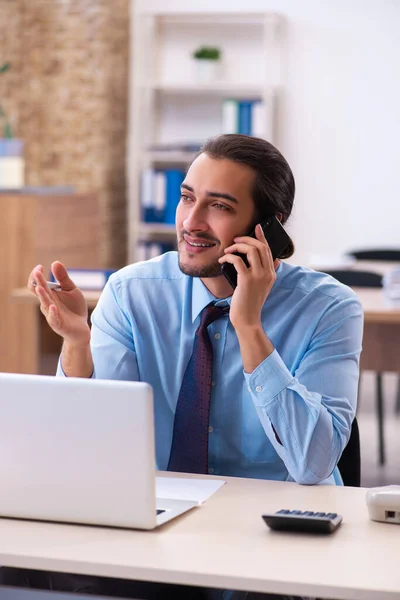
(169, 157)
(228, 18)
(218, 89)
(158, 229)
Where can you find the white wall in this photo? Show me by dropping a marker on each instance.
(341, 123)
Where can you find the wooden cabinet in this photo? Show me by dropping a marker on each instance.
(38, 229)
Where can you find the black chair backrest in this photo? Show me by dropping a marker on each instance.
(376, 254)
(350, 462)
(355, 278)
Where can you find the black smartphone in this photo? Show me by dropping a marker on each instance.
(277, 239)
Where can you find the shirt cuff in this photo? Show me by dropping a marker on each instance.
(269, 379)
(60, 371)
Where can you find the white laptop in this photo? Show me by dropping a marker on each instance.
(80, 451)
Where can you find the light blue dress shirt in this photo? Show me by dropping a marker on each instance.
(143, 329)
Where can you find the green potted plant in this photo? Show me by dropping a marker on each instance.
(207, 61)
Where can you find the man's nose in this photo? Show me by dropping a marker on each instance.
(196, 220)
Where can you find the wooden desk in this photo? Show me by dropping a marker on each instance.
(381, 321)
(381, 332)
(226, 544)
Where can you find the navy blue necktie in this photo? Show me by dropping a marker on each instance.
(189, 451)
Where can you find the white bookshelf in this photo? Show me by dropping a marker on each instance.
(163, 157)
(169, 106)
(216, 89)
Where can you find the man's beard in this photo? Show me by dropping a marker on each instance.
(210, 270)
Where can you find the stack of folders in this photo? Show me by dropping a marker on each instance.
(88, 279)
(248, 117)
(160, 194)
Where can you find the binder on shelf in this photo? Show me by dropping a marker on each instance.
(259, 120)
(248, 117)
(245, 110)
(174, 180)
(147, 196)
(160, 193)
(88, 279)
(230, 116)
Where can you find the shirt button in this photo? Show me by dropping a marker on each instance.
(211, 470)
(217, 336)
(248, 388)
(210, 429)
(213, 384)
(259, 388)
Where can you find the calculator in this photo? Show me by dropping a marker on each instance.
(305, 521)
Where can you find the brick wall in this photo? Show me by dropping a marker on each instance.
(66, 94)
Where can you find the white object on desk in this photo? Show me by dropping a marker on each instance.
(391, 286)
(384, 503)
(80, 450)
(194, 490)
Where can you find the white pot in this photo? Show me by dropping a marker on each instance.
(207, 71)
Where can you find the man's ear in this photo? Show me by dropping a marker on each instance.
(279, 216)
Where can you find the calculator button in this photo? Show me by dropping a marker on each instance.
(308, 513)
(320, 514)
(331, 515)
(295, 512)
(283, 512)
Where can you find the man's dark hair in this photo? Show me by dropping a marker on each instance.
(274, 185)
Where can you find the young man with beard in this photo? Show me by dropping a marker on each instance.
(285, 358)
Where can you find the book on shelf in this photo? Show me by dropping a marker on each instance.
(88, 279)
(159, 195)
(248, 117)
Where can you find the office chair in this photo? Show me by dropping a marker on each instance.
(372, 280)
(357, 278)
(350, 462)
(383, 254)
(387, 255)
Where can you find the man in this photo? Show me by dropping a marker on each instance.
(284, 378)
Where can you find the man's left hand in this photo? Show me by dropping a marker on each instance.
(254, 283)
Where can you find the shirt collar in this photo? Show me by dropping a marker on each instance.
(201, 297)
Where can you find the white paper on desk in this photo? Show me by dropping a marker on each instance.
(181, 488)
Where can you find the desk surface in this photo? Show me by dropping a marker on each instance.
(226, 544)
(376, 309)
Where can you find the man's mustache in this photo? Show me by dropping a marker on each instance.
(200, 236)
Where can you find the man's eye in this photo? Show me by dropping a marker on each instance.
(221, 206)
(185, 198)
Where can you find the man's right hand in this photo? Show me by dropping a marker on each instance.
(65, 310)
